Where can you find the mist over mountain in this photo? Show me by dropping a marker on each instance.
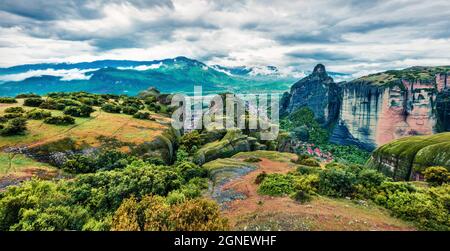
(178, 74)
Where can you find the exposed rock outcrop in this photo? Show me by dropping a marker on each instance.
(318, 92)
(377, 114)
(406, 158)
(378, 108)
(233, 142)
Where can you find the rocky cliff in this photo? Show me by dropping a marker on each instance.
(378, 108)
(407, 158)
(382, 107)
(317, 91)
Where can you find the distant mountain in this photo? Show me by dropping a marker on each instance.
(130, 77)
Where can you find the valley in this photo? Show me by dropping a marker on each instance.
(101, 160)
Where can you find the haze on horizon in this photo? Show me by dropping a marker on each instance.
(354, 36)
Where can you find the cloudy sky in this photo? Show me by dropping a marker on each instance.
(351, 36)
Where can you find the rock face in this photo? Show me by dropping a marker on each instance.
(318, 92)
(233, 142)
(378, 108)
(407, 158)
(376, 115)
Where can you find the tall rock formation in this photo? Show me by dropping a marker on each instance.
(383, 107)
(378, 108)
(317, 91)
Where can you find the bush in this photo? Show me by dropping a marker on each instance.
(153, 213)
(16, 109)
(79, 111)
(111, 108)
(437, 175)
(60, 120)
(309, 162)
(15, 126)
(154, 107)
(189, 170)
(277, 185)
(191, 140)
(252, 160)
(12, 115)
(52, 105)
(5, 100)
(28, 95)
(38, 114)
(305, 187)
(304, 170)
(421, 208)
(130, 110)
(142, 115)
(33, 102)
(104, 160)
(337, 182)
(175, 197)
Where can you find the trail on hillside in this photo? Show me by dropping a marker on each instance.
(253, 211)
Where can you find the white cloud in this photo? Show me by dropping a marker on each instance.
(66, 75)
(351, 36)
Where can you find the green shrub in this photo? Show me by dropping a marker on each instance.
(388, 188)
(191, 139)
(51, 105)
(130, 110)
(437, 175)
(309, 162)
(15, 126)
(5, 100)
(142, 115)
(154, 213)
(154, 107)
(304, 120)
(347, 154)
(38, 114)
(252, 160)
(111, 108)
(277, 185)
(189, 170)
(175, 197)
(60, 120)
(79, 111)
(132, 102)
(337, 182)
(16, 109)
(33, 102)
(307, 183)
(28, 95)
(104, 160)
(420, 208)
(303, 170)
(12, 115)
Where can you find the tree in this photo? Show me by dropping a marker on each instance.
(437, 175)
(33, 102)
(15, 126)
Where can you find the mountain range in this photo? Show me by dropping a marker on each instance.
(173, 75)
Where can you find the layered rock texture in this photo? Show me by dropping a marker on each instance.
(406, 158)
(376, 109)
(317, 91)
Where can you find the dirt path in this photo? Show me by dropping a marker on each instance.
(258, 212)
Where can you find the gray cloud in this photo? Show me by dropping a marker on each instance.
(321, 55)
(53, 10)
(357, 34)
